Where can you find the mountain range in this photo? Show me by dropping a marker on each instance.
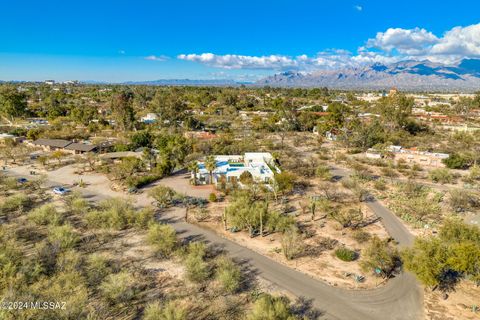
(404, 75)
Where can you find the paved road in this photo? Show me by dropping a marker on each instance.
(394, 226)
(400, 299)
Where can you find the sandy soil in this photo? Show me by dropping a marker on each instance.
(321, 264)
(458, 306)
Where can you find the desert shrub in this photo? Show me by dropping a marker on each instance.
(63, 236)
(345, 254)
(417, 167)
(380, 256)
(201, 214)
(292, 244)
(46, 255)
(118, 288)
(171, 310)
(457, 161)
(113, 214)
(278, 222)
(246, 177)
(361, 236)
(389, 172)
(212, 197)
(347, 218)
(441, 175)
(349, 183)
(142, 218)
(455, 251)
(380, 185)
(163, 238)
(10, 183)
(197, 270)
(69, 261)
(268, 307)
(323, 172)
(163, 195)
(228, 274)
(143, 181)
(79, 205)
(461, 200)
(15, 204)
(68, 287)
(96, 269)
(46, 215)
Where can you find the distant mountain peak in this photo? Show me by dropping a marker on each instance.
(407, 75)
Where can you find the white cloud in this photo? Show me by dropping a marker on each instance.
(358, 7)
(405, 41)
(458, 43)
(156, 58)
(233, 61)
(329, 59)
(392, 45)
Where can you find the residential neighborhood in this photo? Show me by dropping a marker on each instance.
(240, 160)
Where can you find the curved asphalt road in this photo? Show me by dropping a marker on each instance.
(399, 299)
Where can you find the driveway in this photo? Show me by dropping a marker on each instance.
(180, 182)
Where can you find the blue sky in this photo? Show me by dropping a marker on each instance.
(241, 39)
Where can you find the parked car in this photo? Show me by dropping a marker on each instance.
(22, 180)
(60, 190)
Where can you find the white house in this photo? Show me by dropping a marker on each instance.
(149, 118)
(260, 165)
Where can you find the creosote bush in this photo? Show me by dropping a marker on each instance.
(163, 238)
(46, 215)
(228, 274)
(172, 310)
(345, 254)
(118, 287)
(361, 236)
(115, 214)
(15, 204)
(63, 236)
(197, 269)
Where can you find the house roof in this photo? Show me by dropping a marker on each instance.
(57, 143)
(81, 147)
(121, 154)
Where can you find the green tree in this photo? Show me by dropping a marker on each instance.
(122, 110)
(457, 161)
(210, 165)
(163, 195)
(13, 103)
(379, 256)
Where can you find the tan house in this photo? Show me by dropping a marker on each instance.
(422, 158)
(410, 156)
(51, 144)
(5, 137)
(80, 148)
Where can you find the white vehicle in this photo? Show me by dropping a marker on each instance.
(60, 190)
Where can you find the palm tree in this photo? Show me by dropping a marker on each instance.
(193, 168)
(210, 165)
